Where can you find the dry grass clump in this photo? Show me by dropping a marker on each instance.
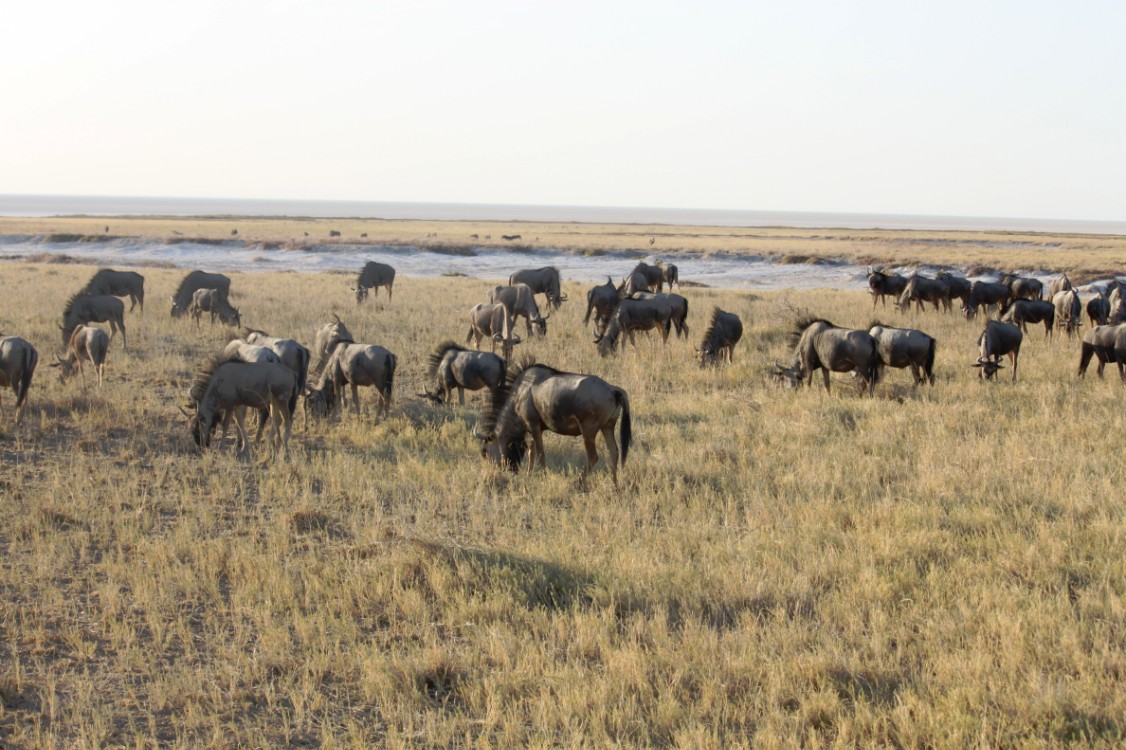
(939, 567)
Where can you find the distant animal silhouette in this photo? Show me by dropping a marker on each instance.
(510, 236)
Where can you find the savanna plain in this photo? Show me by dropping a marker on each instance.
(931, 567)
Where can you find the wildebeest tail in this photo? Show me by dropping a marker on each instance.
(390, 377)
(928, 365)
(30, 359)
(627, 431)
(303, 358)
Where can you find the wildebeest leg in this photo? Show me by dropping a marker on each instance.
(460, 396)
(537, 448)
(355, 398)
(263, 418)
(611, 449)
(1013, 356)
(825, 372)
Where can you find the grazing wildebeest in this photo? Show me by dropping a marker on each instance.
(636, 315)
(320, 402)
(521, 303)
(1059, 284)
(182, 299)
(960, 286)
(996, 340)
(670, 274)
(326, 339)
(1023, 288)
(883, 285)
(724, 331)
(921, 289)
(654, 276)
(238, 350)
(215, 302)
(225, 389)
(545, 281)
(632, 284)
(333, 233)
(18, 359)
(86, 308)
(1108, 343)
(372, 276)
(453, 366)
(510, 237)
(1098, 309)
(905, 347)
(820, 345)
(293, 355)
(87, 344)
(985, 294)
(536, 398)
(1069, 313)
(679, 305)
(362, 365)
(603, 301)
(129, 284)
(492, 320)
(1025, 311)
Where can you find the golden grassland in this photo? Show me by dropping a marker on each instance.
(940, 567)
(1085, 256)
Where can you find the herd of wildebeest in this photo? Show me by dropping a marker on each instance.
(268, 374)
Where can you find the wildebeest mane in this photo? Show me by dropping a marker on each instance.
(711, 336)
(803, 323)
(439, 354)
(70, 302)
(491, 417)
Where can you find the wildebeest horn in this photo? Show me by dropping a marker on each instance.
(545, 317)
(563, 298)
(337, 318)
(185, 412)
(480, 435)
(515, 339)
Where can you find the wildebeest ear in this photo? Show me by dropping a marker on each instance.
(976, 364)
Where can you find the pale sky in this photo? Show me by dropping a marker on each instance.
(1007, 109)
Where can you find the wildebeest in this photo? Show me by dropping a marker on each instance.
(238, 350)
(101, 308)
(372, 276)
(883, 285)
(536, 398)
(492, 320)
(1108, 343)
(118, 284)
(293, 355)
(723, 333)
(636, 315)
(602, 300)
(1059, 284)
(87, 344)
(521, 303)
(545, 281)
(510, 237)
(820, 345)
(453, 366)
(632, 284)
(654, 276)
(921, 289)
(959, 285)
(182, 299)
(215, 302)
(1025, 311)
(326, 339)
(227, 388)
(1068, 311)
(1098, 309)
(1117, 301)
(18, 359)
(678, 304)
(320, 401)
(362, 365)
(1023, 288)
(986, 294)
(996, 340)
(670, 274)
(905, 347)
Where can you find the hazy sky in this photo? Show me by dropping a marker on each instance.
(953, 108)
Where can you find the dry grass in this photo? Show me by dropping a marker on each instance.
(931, 568)
(1084, 256)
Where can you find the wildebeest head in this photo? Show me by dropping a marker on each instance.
(361, 293)
(988, 367)
(539, 325)
(789, 377)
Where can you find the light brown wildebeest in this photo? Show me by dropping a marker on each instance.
(195, 280)
(1059, 284)
(226, 389)
(545, 281)
(362, 365)
(372, 276)
(1108, 343)
(820, 345)
(293, 355)
(327, 337)
(521, 303)
(215, 302)
(536, 398)
(18, 359)
(1069, 313)
(84, 308)
(87, 344)
(118, 284)
(492, 320)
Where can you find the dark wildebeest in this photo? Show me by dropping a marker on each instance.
(320, 402)
(905, 347)
(362, 365)
(996, 340)
(1098, 309)
(1069, 313)
(118, 284)
(545, 281)
(453, 366)
(18, 359)
(883, 285)
(921, 289)
(1108, 343)
(325, 341)
(226, 389)
(959, 285)
(635, 282)
(86, 308)
(1023, 288)
(293, 355)
(985, 294)
(182, 299)
(510, 237)
(636, 315)
(670, 274)
(603, 301)
(521, 303)
(1059, 284)
(1025, 311)
(724, 331)
(372, 276)
(213, 301)
(492, 320)
(87, 344)
(679, 307)
(654, 276)
(536, 398)
(820, 345)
